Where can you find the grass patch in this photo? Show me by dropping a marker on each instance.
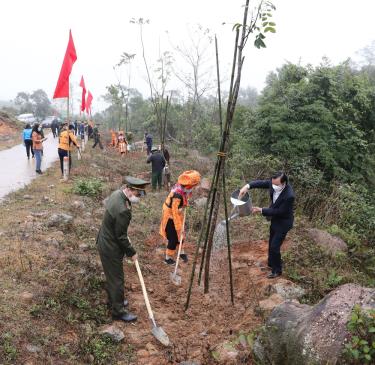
(89, 187)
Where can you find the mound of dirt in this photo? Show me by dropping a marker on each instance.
(10, 131)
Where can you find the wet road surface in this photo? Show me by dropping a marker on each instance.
(16, 170)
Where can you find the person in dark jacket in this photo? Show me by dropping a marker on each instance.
(55, 128)
(96, 135)
(157, 161)
(113, 243)
(27, 141)
(148, 139)
(280, 212)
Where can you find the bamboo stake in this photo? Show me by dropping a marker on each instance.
(218, 85)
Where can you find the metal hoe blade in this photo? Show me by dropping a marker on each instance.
(160, 335)
(176, 279)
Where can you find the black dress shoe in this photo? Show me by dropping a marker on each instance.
(273, 275)
(126, 317)
(184, 257)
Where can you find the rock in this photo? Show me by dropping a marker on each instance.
(142, 353)
(78, 204)
(32, 348)
(51, 186)
(26, 297)
(267, 305)
(205, 184)
(301, 334)
(113, 332)
(27, 197)
(151, 349)
(188, 363)
(52, 241)
(331, 244)
(83, 246)
(59, 236)
(286, 289)
(60, 220)
(225, 353)
(201, 202)
(39, 214)
(46, 199)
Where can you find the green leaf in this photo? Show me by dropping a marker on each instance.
(264, 24)
(368, 357)
(366, 349)
(355, 354)
(270, 29)
(261, 36)
(272, 24)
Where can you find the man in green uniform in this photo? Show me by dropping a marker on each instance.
(113, 243)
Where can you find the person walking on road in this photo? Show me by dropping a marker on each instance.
(27, 141)
(280, 212)
(113, 243)
(173, 213)
(66, 138)
(55, 128)
(157, 161)
(37, 139)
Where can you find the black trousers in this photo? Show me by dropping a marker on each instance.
(172, 238)
(29, 147)
(97, 140)
(274, 244)
(62, 154)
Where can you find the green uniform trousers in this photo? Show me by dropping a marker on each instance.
(157, 179)
(114, 274)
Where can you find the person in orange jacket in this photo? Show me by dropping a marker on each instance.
(66, 139)
(122, 144)
(173, 213)
(114, 138)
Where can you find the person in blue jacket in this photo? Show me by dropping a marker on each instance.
(280, 213)
(27, 142)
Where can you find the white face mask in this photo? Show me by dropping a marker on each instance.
(134, 199)
(277, 188)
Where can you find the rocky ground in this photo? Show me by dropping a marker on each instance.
(53, 303)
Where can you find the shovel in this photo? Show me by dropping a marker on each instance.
(158, 332)
(176, 279)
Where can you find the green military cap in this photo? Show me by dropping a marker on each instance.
(135, 183)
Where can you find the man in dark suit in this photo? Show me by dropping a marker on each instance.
(280, 213)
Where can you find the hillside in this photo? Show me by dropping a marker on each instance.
(10, 131)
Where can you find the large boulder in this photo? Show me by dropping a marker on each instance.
(298, 334)
(327, 242)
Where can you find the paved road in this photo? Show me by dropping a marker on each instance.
(16, 170)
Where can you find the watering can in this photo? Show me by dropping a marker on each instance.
(241, 207)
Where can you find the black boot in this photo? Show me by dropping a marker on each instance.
(126, 317)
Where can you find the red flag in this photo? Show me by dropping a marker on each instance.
(62, 87)
(88, 102)
(82, 84)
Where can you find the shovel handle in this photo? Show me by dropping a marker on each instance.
(144, 291)
(180, 245)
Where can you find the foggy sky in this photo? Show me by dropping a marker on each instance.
(34, 35)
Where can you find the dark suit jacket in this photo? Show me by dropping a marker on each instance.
(280, 212)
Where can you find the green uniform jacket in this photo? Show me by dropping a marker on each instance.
(113, 235)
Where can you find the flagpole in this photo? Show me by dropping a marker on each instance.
(68, 128)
